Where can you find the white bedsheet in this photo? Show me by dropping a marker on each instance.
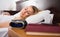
(3, 32)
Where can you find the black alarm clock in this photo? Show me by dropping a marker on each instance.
(18, 23)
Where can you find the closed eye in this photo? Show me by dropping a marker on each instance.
(26, 8)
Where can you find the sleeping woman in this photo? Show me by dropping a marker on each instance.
(22, 15)
(30, 13)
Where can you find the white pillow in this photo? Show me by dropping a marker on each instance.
(48, 19)
(3, 32)
(37, 18)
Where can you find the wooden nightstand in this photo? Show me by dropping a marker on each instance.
(16, 32)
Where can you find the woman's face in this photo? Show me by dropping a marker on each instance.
(27, 11)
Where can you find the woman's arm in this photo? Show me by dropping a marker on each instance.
(5, 20)
(4, 24)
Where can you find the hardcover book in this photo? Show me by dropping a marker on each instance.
(39, 29)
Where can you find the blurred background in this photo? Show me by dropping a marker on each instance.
(14, 6)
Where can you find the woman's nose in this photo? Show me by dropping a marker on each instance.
(26, 13)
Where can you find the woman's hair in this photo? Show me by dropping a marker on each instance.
(36, 10)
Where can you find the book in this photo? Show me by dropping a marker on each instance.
(39, 29)
(42, 33)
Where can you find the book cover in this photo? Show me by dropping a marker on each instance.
(39, 29)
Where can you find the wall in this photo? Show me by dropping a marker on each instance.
(8, 4)
(41, 4)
